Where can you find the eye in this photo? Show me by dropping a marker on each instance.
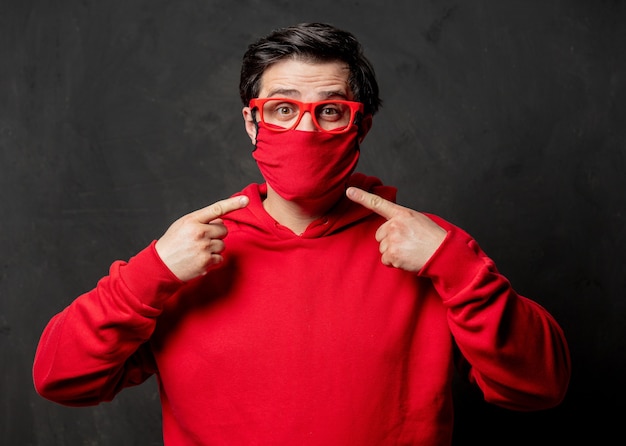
(284, 109)
(280, 110)
(331, 111)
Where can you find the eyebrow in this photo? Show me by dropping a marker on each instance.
(295, 93)
(283, 92)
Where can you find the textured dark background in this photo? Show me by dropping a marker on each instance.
(504, 117)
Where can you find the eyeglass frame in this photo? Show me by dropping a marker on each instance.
(356, 111)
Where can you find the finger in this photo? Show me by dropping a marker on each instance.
(215, 259)
(382, 207)
(217, 246)
(215, 231)
(221, 208)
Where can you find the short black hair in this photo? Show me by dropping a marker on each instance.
(317, 42)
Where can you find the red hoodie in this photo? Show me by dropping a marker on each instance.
(306, 340)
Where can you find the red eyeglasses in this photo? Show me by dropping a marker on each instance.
(282, 114)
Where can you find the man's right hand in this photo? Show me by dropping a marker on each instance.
(194, 242)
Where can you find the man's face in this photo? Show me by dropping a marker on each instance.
(305, 82)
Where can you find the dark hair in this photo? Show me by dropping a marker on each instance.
(310, 42)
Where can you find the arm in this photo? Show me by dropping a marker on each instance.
(98, 344)
(517, 352)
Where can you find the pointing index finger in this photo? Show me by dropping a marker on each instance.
(373, 202)
(221, 208)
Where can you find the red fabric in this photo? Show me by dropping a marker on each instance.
(309, 168)
(320, 346)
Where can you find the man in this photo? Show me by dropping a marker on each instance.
(311, 309)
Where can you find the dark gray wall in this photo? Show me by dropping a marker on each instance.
(505, 117)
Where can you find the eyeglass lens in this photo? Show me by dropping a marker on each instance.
(327, 115)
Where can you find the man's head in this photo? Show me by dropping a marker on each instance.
(313, 43)
(314, 97)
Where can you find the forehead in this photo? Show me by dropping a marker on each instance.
(305, 79)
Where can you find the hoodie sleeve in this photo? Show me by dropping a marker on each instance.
(517, 353)
(97, 345)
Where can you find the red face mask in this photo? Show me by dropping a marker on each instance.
(309, 168)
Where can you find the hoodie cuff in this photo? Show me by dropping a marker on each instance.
(455, 265)
(148, 278)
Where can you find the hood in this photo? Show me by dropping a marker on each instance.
(344, 213)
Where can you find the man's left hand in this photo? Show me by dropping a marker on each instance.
(408, 238)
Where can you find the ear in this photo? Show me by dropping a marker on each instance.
(250, 124)
(365, 126)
